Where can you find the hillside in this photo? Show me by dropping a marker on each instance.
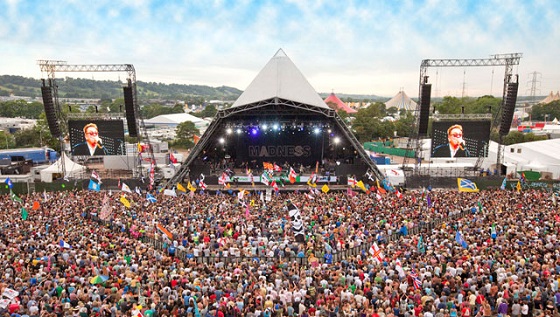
(88, 88)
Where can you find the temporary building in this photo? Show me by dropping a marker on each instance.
(338, 105)
(56, 170)
(401, 101)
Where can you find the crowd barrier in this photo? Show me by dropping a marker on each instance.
(337, 255)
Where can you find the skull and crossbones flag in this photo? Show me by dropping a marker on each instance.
(297, 222)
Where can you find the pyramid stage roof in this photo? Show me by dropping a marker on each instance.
(279, 118)
(339, 104)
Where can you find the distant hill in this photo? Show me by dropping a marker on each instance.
(89, 88)
(103, 89)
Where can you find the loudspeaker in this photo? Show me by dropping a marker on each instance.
(130, 113)
(50, 111)
(426, 92)
(509, 108)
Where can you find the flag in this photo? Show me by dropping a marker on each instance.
(196, 138)
(125, 188)
(378, 197)
(325, 189)
(152, 175)
(376, 253)
(415, 279)
(249, 174)
(170, 192)
(105, 209)
(350, 192)
(93, 185)
(479, 206)
(96, 176)
(523, 179)
(151, 198)
(459, 239)
(172, 158)
(421, 246)
(297, 222)
(380, 189)
(504, 183)
(361, 186)
(493, 232)
(125, 201)
(351, 181)
(274, 185)
(202, 185)
(182, 188)
(312, 180)
(223, 179)
(64, 244)
(518, 186)
(268, 166)
(292, 175)
(15, 197)
(265, 178)
(240, 194)
(190, 187)
(8, 182)
(138, 190)
(36, 205)
(387, 185)
(24, 214)
(164, 231)
(466, 185)
(276, 168)
(399, 194)
(398, 267)
(429, 199)
(369, 176)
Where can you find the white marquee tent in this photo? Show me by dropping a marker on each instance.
(72, 169)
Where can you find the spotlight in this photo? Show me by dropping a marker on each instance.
(336, 140)
(316, 130)
(264, 126)
(229, 130)
(254, 131)
(330, 130)
(238, 131)
(222, 141)
(275, 127)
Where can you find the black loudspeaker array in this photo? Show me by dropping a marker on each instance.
(130, 113)
(509, 108)
(50, 111)
(426, 93)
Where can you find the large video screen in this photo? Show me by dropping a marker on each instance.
(97, 137)
(460, 138)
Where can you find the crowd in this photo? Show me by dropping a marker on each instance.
(500, 258)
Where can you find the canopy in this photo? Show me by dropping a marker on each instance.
(72, 169)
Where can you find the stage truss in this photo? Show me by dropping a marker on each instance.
(51, 67)
(508, 60)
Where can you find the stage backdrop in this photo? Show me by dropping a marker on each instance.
(111, 134)
(292, 147)
(476, 135)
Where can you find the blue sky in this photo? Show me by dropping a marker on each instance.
(358, 47)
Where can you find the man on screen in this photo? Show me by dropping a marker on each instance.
(93, 144)
(455, 146)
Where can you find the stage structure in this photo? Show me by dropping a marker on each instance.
(59, 124)
(509, 96)
(278, 119)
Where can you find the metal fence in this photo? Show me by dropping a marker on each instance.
(337, 256)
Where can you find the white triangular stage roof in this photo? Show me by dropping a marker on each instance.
(551, 97)
(174, 119)
(72, 169)
(401, 101)
(280, 78)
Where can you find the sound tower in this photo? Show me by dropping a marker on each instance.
(50, 111)
(509, 108)
(130, 113)
(426, 92)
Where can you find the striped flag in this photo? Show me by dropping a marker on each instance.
(376, 253)
(415, 279)
(164, 231)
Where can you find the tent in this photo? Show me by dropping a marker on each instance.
(338, 104)
(402, 101)
(72, 169)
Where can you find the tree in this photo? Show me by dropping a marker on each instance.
(185, 133)
(551, 110)
(6, 140)
(208, 112)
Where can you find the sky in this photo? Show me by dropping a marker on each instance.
(346, 47)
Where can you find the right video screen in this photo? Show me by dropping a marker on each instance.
(460, 138)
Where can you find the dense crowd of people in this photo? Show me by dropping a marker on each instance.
(500, 258)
